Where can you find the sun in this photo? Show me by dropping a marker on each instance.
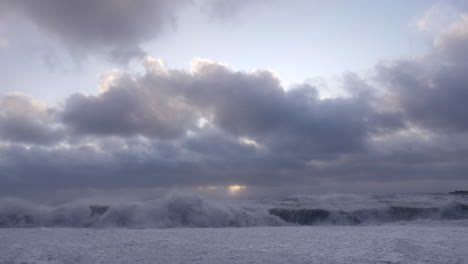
(233, 189)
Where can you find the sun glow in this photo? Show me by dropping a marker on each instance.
(233, 189)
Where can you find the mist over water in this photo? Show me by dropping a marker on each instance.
(193, 210)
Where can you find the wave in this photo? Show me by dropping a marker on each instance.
(390, 214)
(192, 210)
(174, 210)
(352, 202)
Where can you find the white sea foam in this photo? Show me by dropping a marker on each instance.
(173, 210)
(193, 210)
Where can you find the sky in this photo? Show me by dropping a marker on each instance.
(235, 97)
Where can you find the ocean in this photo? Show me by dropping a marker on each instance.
(190, 228)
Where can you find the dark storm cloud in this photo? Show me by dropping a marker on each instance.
(432, 90)
(168, 103)
(209, 125)
(140, 164)
(216, 145)
(22, 119)
(213, 125)
(122, 111)
(214, 158)
(114, 27)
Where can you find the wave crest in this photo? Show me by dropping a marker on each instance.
(174, 210)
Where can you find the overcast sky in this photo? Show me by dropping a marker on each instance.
(277, 96)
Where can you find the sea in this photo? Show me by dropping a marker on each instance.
(192, 228)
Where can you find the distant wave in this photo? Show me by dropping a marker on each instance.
(390, 214)
(174, 210)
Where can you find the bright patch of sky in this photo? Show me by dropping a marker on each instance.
(300, 39)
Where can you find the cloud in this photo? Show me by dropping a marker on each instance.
(148, 126)
(213, 125)
(23, 119)
(437, 18)
(225, 9)
(116, 28)
(431, 90)
(125, 111)
(144, 130)
(167, 104)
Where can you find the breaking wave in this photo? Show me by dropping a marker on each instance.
(390, 214)
(174, 210)
(192, 210)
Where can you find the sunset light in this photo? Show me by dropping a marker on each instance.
(234, 189)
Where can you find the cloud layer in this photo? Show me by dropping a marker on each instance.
(214, 125)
